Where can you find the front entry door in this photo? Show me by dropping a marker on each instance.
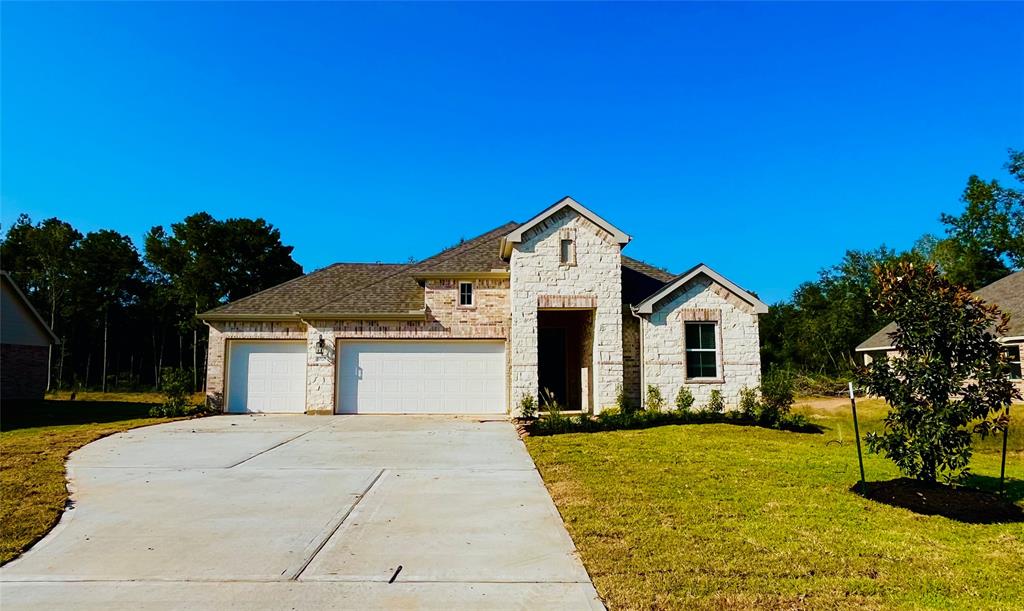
(551, 364)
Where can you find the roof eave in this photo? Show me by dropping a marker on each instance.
(647, 305)
(31, 308)
(516, 235)
(410, 315)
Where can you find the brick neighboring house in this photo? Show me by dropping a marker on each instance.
(547, 304)
(25, 340)
(1007, 294)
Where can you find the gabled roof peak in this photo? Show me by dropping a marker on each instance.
(647, 305)
(516, 235)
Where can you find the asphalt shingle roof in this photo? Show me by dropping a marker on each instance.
(392, 288)
(1007, 293)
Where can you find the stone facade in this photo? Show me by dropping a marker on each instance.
(594, 272)
(488, 318)
(738, 344)
(615, 348)
(23, 374)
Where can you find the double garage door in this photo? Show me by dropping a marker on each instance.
(429, 377)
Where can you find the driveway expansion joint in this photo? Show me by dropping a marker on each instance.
(334, 530)
(274, 447)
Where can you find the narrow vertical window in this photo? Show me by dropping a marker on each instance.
(567, 256)
(1013, 359)
(465, 293)
(701, 350)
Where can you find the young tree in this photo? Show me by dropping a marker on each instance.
(947, 372)
(110, 268)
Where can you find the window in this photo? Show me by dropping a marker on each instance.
(701, 350)
(465, 293)
(1013, 359)
(567, 253)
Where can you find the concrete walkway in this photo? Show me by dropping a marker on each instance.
(270, 512)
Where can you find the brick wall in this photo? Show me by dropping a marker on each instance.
(487, 319)
(22, 371)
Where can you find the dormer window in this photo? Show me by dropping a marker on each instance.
(465, 294)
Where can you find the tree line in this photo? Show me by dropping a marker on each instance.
(123, 316)
(817, 330)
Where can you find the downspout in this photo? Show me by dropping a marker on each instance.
(643, 381)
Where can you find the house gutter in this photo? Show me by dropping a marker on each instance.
(303, 316)
(643, 380)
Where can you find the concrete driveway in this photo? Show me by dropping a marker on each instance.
(275, 512)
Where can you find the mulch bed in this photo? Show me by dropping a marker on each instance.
(956, 503)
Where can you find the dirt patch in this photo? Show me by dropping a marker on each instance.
(960, 504)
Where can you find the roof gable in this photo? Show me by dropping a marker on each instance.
(33, 314)
(516, 235)
(647, 305)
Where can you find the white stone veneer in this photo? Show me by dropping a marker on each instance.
(663, 343)
(536, 271)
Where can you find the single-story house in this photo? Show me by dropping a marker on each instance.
(1007, 294)
(551, 304)
(25, 341)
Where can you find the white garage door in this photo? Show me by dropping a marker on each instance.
(421, 378)
(267, 377)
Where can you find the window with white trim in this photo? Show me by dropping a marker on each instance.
(1013, 360)
(465, 294)
(701, 350)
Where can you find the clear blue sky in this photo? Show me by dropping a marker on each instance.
(762, 139)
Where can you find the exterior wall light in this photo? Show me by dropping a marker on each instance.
(320, 346)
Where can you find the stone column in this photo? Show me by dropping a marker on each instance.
(321, 371)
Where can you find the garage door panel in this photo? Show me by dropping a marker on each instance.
(421, 377)
(267, 377)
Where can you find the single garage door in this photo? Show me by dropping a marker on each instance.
(421, 378)
(267, 377)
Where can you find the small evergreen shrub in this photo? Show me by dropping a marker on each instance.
(622, 402)
(177, 387)
(655, 402)
(776, 396)
(527, 407)
(715, 404)
(749, 406)
(684, 399)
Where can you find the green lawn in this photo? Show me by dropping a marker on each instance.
(725, 516)
(35, 439)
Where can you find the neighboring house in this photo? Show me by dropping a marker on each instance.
(1006, 293)
(25, 342)
(548, 304)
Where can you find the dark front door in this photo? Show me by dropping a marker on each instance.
(551, 365)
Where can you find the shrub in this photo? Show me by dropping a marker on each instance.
(622, 402)
(177, 388)
(655, 402)
(776, 396)
(715, 404)
(684, 399)
(527, 407)
(946, 374)
(749, 406)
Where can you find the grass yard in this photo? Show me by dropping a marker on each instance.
(725, 516)
(35, 439)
